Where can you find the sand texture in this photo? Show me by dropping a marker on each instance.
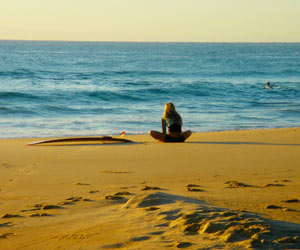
(218, 190)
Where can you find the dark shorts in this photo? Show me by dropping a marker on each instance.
(174, 139)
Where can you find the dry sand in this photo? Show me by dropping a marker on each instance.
(236, 190)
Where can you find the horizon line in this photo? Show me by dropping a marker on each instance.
(104, 41)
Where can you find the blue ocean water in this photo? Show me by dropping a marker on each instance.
(103, 88)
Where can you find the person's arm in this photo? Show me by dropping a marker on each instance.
(164, 126)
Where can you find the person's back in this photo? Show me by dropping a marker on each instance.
(171, 120)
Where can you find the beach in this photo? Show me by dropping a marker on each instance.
(228, 189)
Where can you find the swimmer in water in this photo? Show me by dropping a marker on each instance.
(268, 86)
(173, 121)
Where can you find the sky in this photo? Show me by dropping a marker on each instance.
(151, 20)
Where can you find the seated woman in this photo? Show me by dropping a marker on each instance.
(173, 121)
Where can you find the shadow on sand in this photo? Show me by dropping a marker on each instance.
(244, 143)
(88, 144)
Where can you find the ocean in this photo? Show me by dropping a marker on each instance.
(52, 89)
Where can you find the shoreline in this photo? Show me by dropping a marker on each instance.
(66, 196)
(143, 134)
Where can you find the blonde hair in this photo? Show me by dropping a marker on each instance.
(170, 113)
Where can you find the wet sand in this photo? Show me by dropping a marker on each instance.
(220, 190)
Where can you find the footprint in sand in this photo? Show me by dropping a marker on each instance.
(292, 201)
(75, 198)
(236, 184)
(162, 225)
(40, 215)
(114, 197)
(193, 188)
(47, 207)
(128, 187)
(6, 224)
(71, 200)
(274, 185)
(273, 207)
(94, 191)
(6, 165)
(42, 207)
(183, 244)
(150, 188)
(282, 181)
(285, 209)
(189, 189)
(8, 216)
(151, 208)
(117, 196)
(233, 184)
(142, 238)
(192, 185)
(66, 203)
(113, 246)
(81, 184)
(123, 193)
(6, 235)
(35, 208)
(115, 172)
(157, 233)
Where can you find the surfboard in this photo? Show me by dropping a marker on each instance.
(82, 139)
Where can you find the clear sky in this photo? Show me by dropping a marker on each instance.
(151, 20)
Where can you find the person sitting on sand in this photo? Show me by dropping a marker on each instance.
(173, 121)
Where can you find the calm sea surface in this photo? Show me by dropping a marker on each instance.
(102, 88)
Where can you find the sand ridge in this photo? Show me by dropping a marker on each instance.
(159, 220)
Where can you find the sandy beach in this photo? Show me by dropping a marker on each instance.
(218, 190)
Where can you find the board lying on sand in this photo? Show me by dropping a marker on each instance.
(82, 139)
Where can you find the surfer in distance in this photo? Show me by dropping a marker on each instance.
(268, 86)
(173, 121)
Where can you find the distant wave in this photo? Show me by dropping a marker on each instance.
(142, 73)
(2, 109)
(258, 73)
(60, 108)
(16, 111)
(145, 94)
(243, 73)
(290, 72)
(73, 75)
(18, 73)
(9, 95)
(271, 103)
(113, 96)
(84, 109)
(129, 73)
(294, 111)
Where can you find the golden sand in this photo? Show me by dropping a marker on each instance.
(217, 190)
